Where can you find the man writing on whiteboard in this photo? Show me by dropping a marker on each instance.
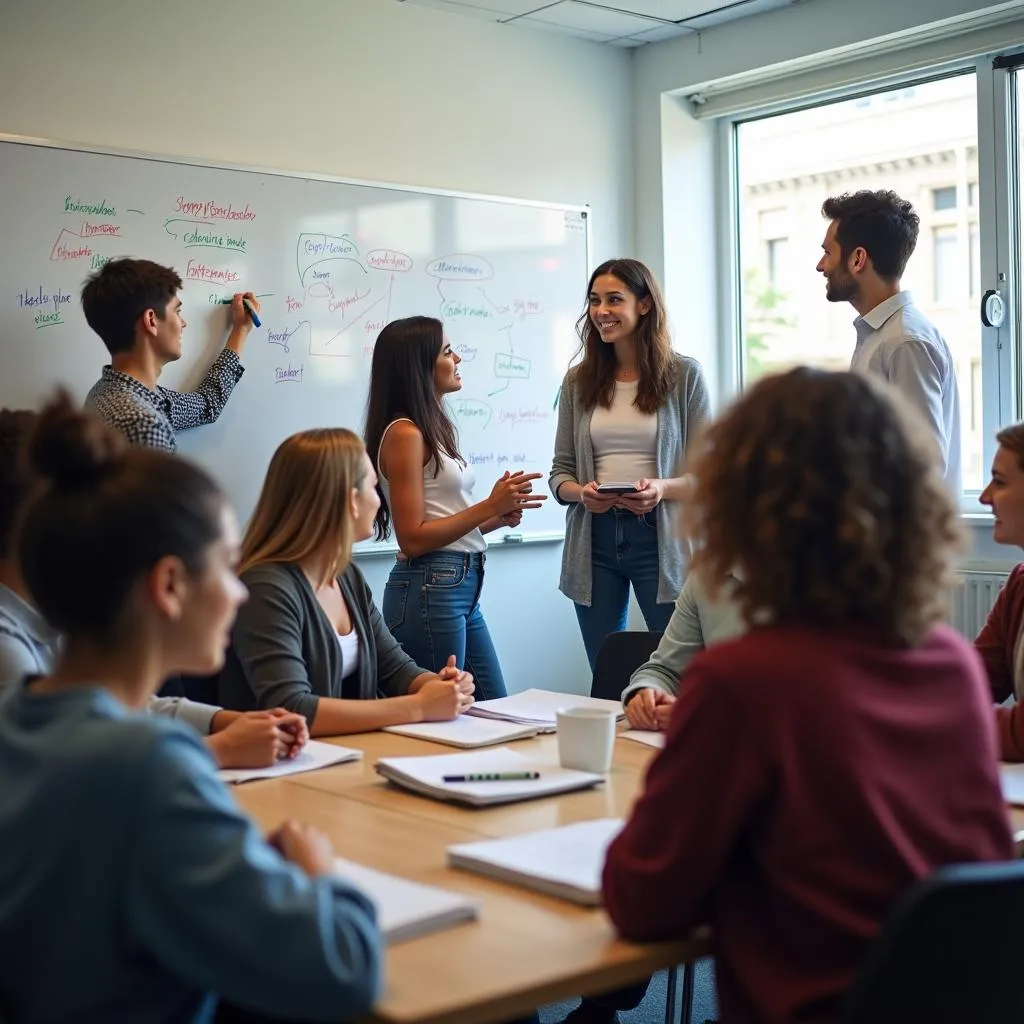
(869, 240)
(133, 306)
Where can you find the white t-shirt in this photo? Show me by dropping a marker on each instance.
(624, 438)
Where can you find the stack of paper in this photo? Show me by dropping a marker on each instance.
(314, 755)
(425, 775)
(1012, 778)
(465, 731)
(565, 862)
(539, 707)
(652, 739)
(406, 910)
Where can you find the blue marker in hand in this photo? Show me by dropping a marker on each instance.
(248, 305)
(252, 312)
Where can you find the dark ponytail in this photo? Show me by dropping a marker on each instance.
(104, 514)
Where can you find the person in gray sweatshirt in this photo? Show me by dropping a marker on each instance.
(698, 621)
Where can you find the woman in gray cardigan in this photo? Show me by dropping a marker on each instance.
(310, 637)
(626, 414)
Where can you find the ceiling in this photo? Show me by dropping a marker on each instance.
(626, 23)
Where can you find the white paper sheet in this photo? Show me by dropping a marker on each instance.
(314, 755)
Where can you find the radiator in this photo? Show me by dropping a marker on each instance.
(972, 601)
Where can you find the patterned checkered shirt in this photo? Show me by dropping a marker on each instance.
(151, 418)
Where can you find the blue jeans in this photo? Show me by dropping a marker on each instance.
(432, 607)
(623, 551)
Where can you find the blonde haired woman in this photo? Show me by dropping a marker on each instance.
(310, 637)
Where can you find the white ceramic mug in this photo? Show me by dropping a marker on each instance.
(586, 737)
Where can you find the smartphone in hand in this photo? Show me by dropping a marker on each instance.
(616, 488)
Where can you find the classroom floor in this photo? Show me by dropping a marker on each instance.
(652, 1009)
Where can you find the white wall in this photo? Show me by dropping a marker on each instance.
(358, 88)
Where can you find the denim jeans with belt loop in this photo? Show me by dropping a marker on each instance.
(623, 551)
(432, 607)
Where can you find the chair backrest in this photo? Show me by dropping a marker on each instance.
(951, 952)
(199, 688)
(621, 654)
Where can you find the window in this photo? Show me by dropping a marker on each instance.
(974, 261)
(777, 259)
(945, 259)
(920, 141)
(975, 395)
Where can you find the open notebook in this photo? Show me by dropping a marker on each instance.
(539, 707)
(406, 910)
(565, 862)
(314, 755)
(465, 731)
(425, 775)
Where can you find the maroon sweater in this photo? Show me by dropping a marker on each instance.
(995, 643)
(808, 779)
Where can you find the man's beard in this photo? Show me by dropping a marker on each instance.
(840, 289)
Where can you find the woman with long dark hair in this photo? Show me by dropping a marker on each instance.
(432, 599)
(627, 412)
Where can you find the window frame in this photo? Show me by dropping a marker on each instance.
(998, 189)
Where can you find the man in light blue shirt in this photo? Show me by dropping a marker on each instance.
(870, 238)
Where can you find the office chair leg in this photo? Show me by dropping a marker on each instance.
(670, 996)
(688, 977)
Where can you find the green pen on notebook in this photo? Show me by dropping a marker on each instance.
(492, 777)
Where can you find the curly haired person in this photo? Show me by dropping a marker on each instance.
(843, 748)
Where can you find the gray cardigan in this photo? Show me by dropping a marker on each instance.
(678, 419)
(285, 651)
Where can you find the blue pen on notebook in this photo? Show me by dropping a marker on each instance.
(491, 777)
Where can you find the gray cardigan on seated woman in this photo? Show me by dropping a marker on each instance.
(285, 651)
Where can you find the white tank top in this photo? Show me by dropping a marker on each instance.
(446, 494)
(349, 644)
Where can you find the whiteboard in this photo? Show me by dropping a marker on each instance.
(332, 262)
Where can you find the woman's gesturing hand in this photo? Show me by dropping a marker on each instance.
(514, 492)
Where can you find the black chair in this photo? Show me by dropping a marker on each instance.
(621, 654)
(950, 952)
(200, 688)
(173, 687)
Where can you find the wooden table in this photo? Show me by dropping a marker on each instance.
(1017, 824)
(525, 949)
